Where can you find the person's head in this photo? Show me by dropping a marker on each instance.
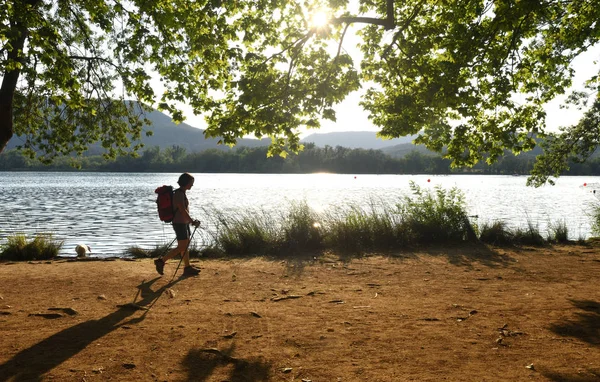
(186, 181)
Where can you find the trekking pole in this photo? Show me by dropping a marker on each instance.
(183, 254)
(169, 246)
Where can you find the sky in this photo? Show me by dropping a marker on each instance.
(351, 116)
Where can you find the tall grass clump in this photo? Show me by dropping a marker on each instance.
(41, 247)
(161, 250)
(357, 229)
(139, 252)
(436, 216)
(595, 217)
(301, 229)
(529, 236)
(249, 233)
(559, 232)
(496, 233)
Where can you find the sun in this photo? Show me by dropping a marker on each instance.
(319, 19)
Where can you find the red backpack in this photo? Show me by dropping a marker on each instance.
(164, 202)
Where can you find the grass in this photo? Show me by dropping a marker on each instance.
(496, 233)
(159, 250)
(426, 217)
(529, 236)
(595, 218)
(19, 248)
(559, 232)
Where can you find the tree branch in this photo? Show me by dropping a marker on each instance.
(388, 23)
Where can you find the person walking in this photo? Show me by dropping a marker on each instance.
(181, 226)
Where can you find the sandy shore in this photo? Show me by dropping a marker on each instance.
(454, 314)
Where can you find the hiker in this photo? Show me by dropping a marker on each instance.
(181, 225)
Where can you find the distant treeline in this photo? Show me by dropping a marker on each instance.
(254, 160)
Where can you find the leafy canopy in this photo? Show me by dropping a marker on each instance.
(470, 76)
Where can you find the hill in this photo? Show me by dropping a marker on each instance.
(355, 140)
(167, 134)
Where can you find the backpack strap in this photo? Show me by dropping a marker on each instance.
(175, 209)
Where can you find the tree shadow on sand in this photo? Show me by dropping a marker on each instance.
(468, 253)
(202, 363)
(463, 254)
(32, 363)
(585, 327)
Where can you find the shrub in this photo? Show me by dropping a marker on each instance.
(436, 216)
(42, 247)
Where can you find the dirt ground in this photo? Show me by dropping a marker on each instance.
(452, 314)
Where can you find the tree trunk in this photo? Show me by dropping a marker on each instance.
(10, 78)
(6, 124)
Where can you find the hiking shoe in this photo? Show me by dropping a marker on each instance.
(160, 266)
(191, 271)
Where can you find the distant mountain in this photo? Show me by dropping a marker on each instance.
(400, 151)
(167, 134)
(355, 140)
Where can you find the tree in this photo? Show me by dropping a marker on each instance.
(469, 76)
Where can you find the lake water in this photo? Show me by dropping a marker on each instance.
(113, 211)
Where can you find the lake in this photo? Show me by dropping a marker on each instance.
(114, 211)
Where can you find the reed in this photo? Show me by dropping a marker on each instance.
(301, 230)
(248, 233)
(140, 253)
(356, 230)
(595, 219)
(529, 236)
(496, 233)
(19, 248)
(160, 250)
(559, 232)
(427, 216)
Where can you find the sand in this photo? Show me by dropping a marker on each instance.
(466, 313)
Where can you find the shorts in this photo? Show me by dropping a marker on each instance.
(182, 231)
